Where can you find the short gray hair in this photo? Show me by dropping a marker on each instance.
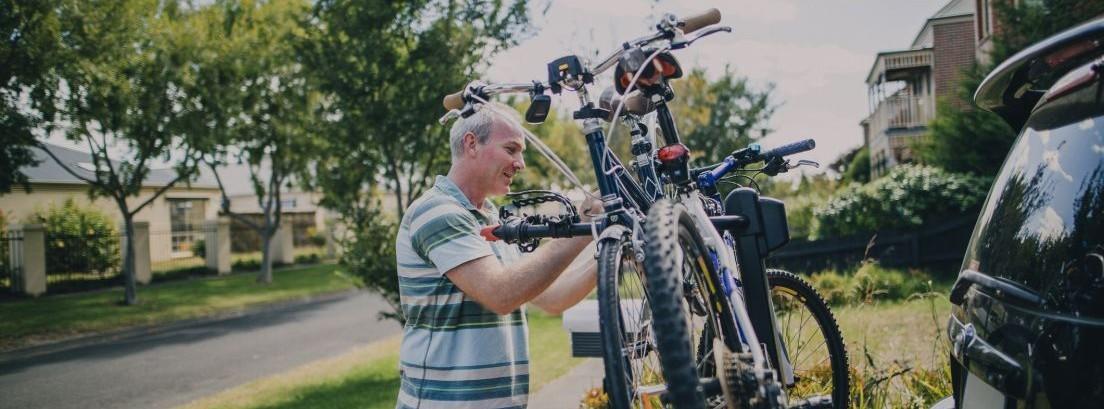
(481, 124)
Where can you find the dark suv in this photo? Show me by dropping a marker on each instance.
(1027, 324)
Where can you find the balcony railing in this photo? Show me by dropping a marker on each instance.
(888, 62)
(901, 111)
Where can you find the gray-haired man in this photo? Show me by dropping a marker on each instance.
(465, 343)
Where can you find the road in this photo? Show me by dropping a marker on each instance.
(174, 366)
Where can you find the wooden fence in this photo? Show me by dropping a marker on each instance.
(937, 247)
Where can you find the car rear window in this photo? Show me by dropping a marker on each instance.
(1044, 218)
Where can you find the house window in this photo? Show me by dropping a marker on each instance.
(185, 218)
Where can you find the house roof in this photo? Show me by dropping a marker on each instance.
(49, 171)
(953, 10)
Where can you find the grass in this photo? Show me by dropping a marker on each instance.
(33, 321)
(368, 377)
(898, 352)
(896, 362)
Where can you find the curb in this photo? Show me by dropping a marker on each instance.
(129, 332)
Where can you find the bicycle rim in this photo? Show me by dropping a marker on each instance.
(630, 359)
(812, 339)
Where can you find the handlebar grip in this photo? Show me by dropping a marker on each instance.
(454, 101)
(709, 17)
(790, 149)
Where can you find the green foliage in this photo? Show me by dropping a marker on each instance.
(976, 141)
(78, 238)
(971, 141)
(29, 49)
(118, 73)
(870, 283)
(268, 96)
(907, 197)
(858, 168)
(312, 258)
(383, 67)
(369, 254)
(199, 248)
(717, 117)
(801, 199)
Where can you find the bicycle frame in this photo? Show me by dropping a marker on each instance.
(614, 183)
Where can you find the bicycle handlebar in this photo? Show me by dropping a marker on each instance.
(687, 25)
(523, 231)
(706, 18)
(454, 101)
(790, 149)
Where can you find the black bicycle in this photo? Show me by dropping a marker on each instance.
(684, 299)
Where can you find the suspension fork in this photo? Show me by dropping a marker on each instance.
(618, 176)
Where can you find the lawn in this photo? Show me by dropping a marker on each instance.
(896, 336)
(33, 321)
(368, 377)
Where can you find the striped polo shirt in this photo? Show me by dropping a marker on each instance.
(455, 353)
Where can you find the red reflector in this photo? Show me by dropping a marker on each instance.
(671, 152)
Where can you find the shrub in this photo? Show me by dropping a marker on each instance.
(833, 286)
(249, 264)
(199, 248)
(869, 283)
(312, 258)
(906, 197)
(78, 238)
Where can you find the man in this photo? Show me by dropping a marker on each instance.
(465, 342)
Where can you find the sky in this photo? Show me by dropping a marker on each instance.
(817, 53)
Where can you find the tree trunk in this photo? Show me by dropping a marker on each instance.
(266, 256)
(131, 296)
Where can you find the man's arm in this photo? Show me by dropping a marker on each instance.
(504, 288)
(571, 287)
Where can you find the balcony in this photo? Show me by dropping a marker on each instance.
(890, 65)
(901, 112)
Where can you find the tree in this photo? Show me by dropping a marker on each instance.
(383, 67)
(122, 74)
(853, 166)
(717, 117)
(30, 30)
(272, 126)
(976, 141)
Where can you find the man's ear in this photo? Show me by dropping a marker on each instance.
(470, 142)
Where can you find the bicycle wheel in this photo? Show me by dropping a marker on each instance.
(631, 367)
(811, 339)
(678, 266)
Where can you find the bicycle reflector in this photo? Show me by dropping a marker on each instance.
(671, 153)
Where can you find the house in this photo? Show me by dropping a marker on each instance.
(175, 218)
(904, 85)
(298, 209)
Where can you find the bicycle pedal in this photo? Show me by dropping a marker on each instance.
(814, 402)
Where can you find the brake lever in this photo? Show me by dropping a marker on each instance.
(675, 45)
(450, 115)
(804, 162)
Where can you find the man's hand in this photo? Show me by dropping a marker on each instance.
(590, 207)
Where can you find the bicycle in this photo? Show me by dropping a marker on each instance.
(629, 234)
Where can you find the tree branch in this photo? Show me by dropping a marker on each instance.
(225, 205)
(66, 167)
